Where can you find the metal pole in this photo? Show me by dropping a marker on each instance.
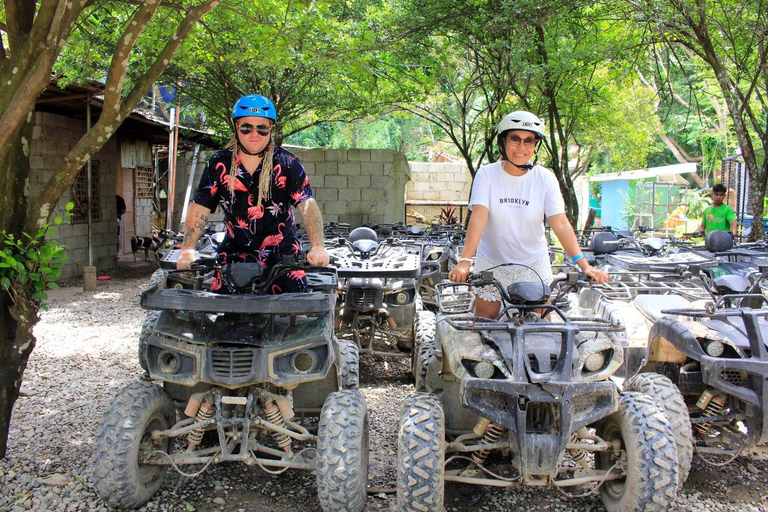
(190, 184)
(171, 163)
(89, 184)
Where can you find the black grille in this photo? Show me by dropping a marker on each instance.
(735, 377)
(362, 298)
(231, 363)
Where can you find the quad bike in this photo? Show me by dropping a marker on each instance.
(379, 306)
(522, 401)
(706, 364)
(227, 374)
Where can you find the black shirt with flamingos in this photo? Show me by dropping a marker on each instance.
(257, 232)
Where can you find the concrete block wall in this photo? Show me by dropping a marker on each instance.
(350, 185)
(439, 182)
(357, 185)
(52, 137)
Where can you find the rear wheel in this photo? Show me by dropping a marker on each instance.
(125, 441)
(669, 399)
(420, 454)
(644, 453)
(342, 452)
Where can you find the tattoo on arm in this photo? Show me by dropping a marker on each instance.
(313, 222)
(195, 228)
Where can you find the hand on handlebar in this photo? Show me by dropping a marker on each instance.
(318, 256)
(596, 275)
(460, 272)
(186, 259)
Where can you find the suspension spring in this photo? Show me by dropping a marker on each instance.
(196, 436)
(578, 456)
(272, 414)
(492, 434)
(715, 406)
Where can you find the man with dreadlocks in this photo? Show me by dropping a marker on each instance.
(257, 184)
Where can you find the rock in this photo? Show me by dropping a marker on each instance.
(752, 469)
(219, 500)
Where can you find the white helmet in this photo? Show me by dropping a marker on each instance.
(519, 120)
(522, 120)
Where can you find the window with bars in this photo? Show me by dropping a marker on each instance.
(144, 182)
(80, 195)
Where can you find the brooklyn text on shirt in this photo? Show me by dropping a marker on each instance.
(513, 200)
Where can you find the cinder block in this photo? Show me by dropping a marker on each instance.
(336, 182)
(336, 207)
(359, 155)
(327, 168)
(382, 155)
(349, 168)
(317, 182)
(326, 194)
(335, 155)
(358, 182)
(372, 168)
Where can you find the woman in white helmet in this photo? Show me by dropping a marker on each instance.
(510, 199)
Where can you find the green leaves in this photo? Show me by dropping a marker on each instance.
(29, 264)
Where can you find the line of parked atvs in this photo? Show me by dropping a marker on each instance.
(606, 389)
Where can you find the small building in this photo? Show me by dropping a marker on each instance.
(127, 165)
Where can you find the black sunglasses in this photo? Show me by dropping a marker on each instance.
(261, 129)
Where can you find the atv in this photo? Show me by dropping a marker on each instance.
(523, 401)
(379, 306)
(226, 377)
(706, 364)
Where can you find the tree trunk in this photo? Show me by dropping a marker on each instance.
(16, 320)
(16, 345)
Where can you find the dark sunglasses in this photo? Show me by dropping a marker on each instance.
(261, 129)
(515, 141)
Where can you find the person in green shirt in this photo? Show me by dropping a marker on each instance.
(719, 216)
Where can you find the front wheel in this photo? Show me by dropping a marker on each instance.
(146, 331)
(342, 452)
(124, 442)
(668, 397)
(349, 363)
(644, 452)
(421, 454)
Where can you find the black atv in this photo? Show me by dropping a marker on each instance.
(379, 306)
(522, 401)
(706, 364)
(227, 375)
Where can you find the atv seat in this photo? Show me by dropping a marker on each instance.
(651, 306)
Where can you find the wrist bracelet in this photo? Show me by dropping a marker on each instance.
(577, 258)
(468, 260)
(188, 251)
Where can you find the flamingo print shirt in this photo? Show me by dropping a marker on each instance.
(256, 232)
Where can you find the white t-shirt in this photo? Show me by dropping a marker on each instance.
(516, 206)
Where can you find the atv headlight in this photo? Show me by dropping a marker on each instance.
(484, 370)
(401, 298)
(714, 348)
(595, 361)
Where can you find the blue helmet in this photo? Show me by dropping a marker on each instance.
(254, 105)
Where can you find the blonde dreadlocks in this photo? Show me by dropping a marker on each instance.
(265, 178)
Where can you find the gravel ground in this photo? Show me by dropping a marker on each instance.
(86, 352)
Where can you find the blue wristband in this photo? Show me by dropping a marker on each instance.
(577, 258)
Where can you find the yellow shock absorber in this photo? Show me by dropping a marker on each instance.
(713, 405)
(492, 434)
(272, 414)
(196, 436)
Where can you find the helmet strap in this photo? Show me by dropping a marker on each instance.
(260, 153)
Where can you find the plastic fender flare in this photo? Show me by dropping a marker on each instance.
(670, 341)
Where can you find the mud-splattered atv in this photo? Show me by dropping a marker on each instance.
(521, 401)
(706, 365)
(227, 376)
(379, 305)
